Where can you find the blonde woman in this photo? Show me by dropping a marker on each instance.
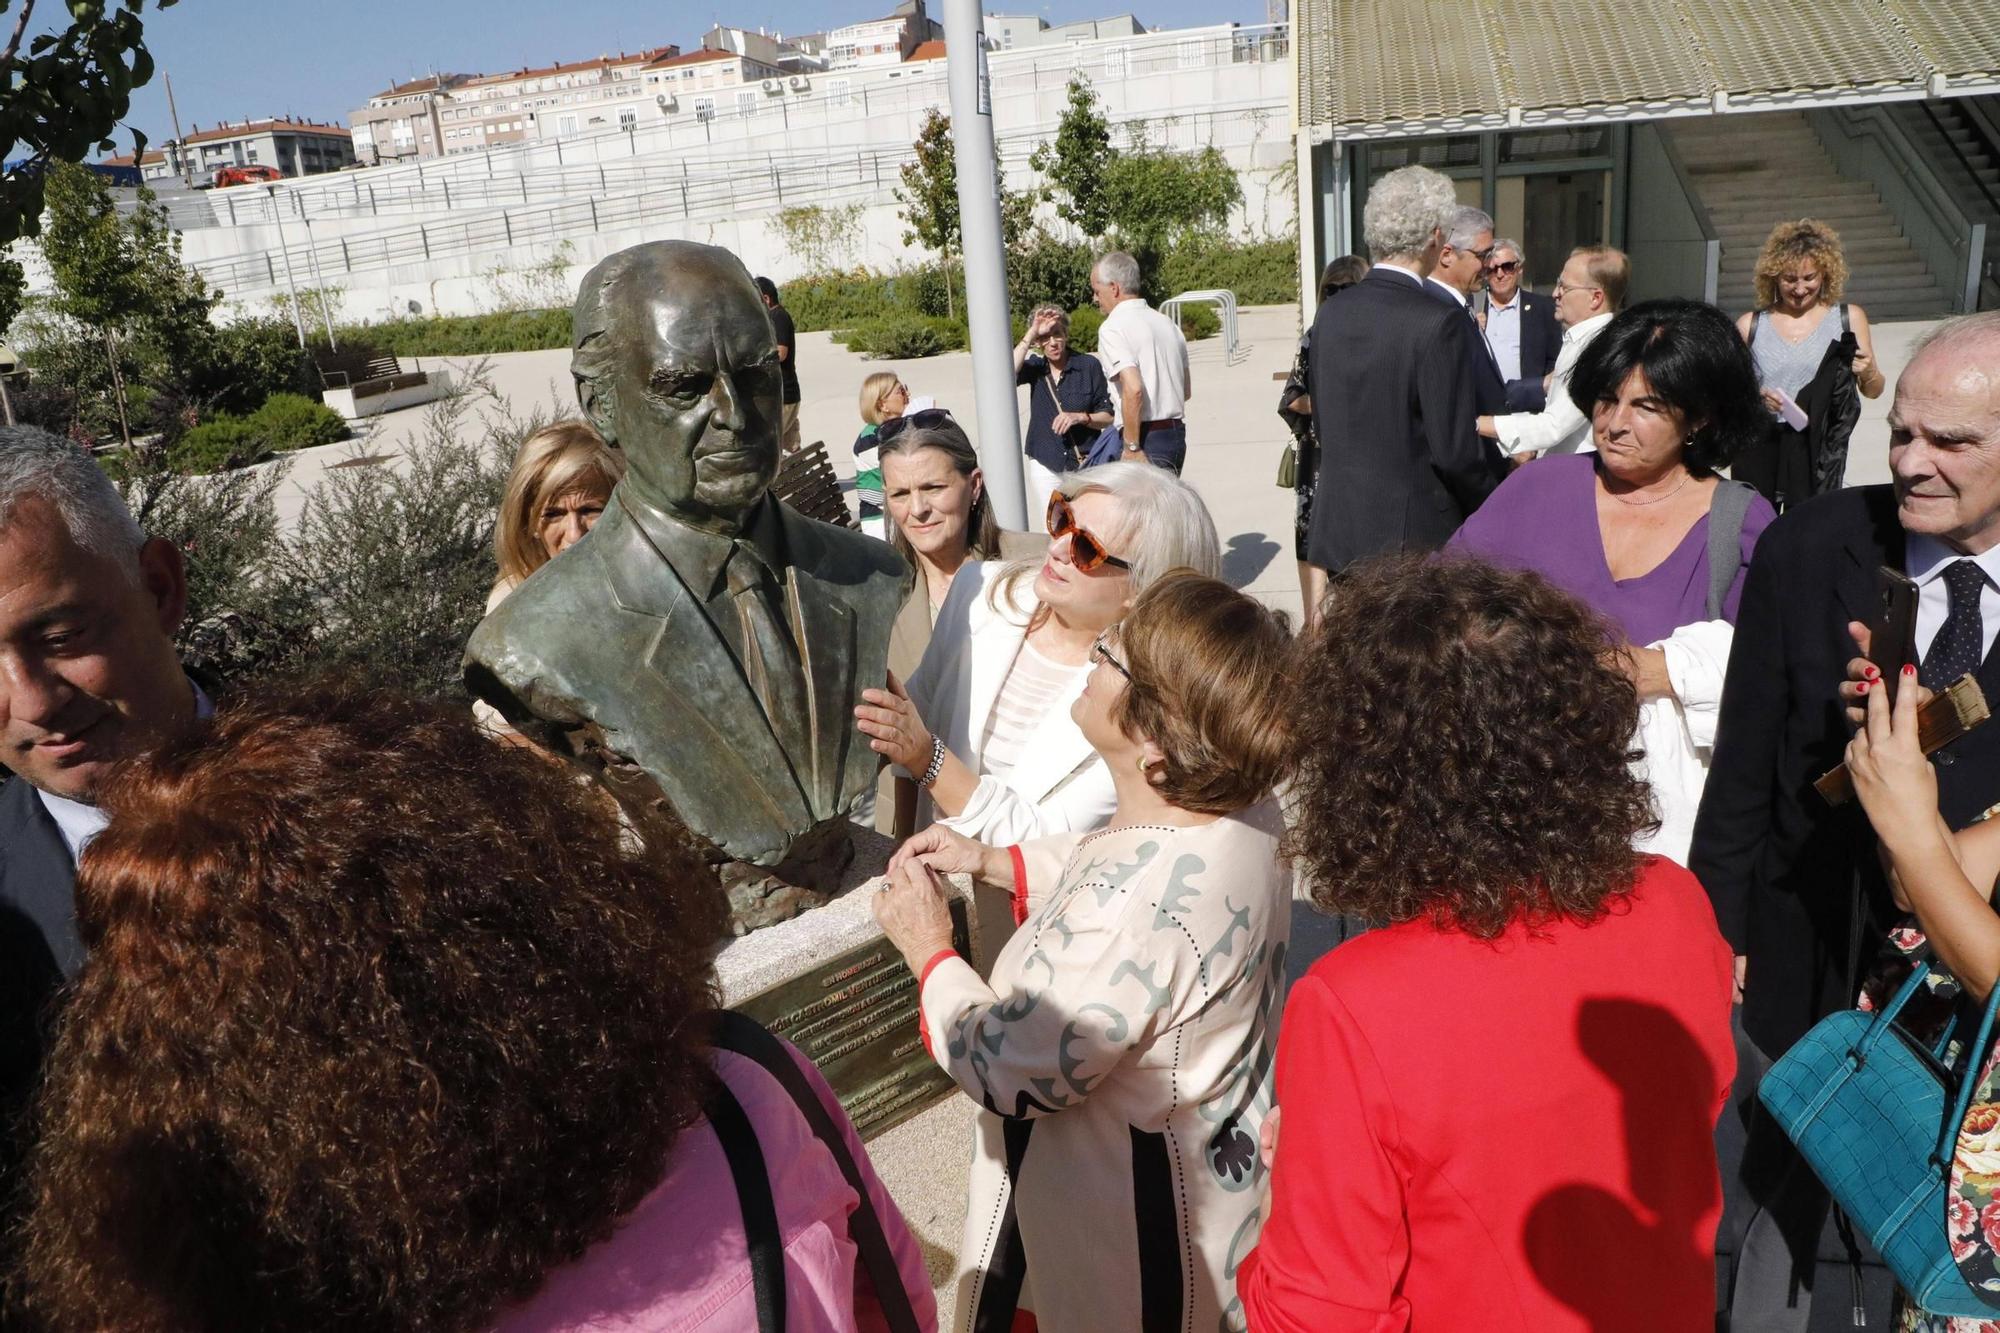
(559, 485)
(561, 480)
(1813, 354)
(884, 397)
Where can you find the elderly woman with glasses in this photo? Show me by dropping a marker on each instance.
(1121, 1047)
(1069, 401)
(984, 726)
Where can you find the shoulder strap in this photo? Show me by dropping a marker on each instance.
(1725, 540)
(753, 1194)
(744, 1036)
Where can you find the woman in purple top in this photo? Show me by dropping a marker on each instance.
(1671, 395)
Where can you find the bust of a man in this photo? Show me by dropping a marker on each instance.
(703, 644)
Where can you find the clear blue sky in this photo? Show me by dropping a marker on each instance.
(235, 58)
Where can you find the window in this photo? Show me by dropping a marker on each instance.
(1117, 62)
(704, 108)
(1188, 53)
(838, 90)
(746, 104)
(628, 119)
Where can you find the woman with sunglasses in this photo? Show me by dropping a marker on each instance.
(884, 398)
(940, 520)
(1121, 1046)
(984, 726)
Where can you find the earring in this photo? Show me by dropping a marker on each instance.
(1144, 771)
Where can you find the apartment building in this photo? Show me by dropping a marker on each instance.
(578, 97)
(770, 48)
(1008, 32)
(295, 147)
(879, 42)
(712, 83)
(404, 122)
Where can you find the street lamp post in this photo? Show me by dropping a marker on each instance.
(278, 220)
(984, 252)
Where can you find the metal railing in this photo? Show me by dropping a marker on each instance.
(648, 194)
(1866, 143)
(522, 173)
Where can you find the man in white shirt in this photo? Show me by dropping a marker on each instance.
(1588, 294)
(1146, 359)
(88, 676)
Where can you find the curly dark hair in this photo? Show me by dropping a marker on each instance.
(1462, 739)
(1697, 364)
(382, 1023)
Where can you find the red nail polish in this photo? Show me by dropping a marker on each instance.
(1871, 673)
(1862, 688)
(1909, 671)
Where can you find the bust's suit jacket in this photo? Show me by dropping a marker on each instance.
(710, 748)
(1780, 865)
(39, 946)
(1541, 344)
(1401, 461)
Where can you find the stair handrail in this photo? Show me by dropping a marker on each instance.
(1895, 154)
(1711, 279)
(1972, 173)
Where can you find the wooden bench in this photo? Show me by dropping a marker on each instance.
(806, 481)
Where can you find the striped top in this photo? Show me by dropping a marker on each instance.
(1033, 683)
(1784, 364)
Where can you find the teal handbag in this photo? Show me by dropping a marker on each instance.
(1876, 1113)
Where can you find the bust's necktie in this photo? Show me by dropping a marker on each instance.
(1956, 649)
(770, 657)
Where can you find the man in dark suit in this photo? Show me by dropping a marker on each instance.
(702, 638)
(1521, 329)
(1401, 463)
(88, 675)
(1456, 279)
(1797, 887)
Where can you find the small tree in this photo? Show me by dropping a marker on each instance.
(60, 100)
(122, 278)
(1078, 162)
(1158, 199)
(13, 295)
(820, 235)
(930, 191)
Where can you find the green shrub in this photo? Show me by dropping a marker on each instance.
(252, 359)
(838, 300)
(1259, 272)
(1199, 321)
(902, 336)
(291, 421)
(216, 445)
(1084, 322)
(1049, 270)
(461, 335)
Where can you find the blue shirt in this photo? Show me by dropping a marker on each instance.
(1081, 388)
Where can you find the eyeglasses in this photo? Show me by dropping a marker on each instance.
(1086, 552)
(924, 420)
(1503, 266)
(1562, 287)
(1480, 255)
(1101, 653)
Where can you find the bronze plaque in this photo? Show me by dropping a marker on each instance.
(855, 1017)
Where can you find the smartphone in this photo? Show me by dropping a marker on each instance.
(1893, 634)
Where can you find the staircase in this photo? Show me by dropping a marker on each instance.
(1754, 171)
(1958, 146)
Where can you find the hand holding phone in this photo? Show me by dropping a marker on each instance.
(1892, 642)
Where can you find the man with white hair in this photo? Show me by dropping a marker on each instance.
(1798, 889)
(1393, 401)
(1522, 330)
(1146, 360)
(88, 675)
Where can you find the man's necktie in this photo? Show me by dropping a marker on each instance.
(770, 658)
(1957, 647)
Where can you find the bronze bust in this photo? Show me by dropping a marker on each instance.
(703, 644)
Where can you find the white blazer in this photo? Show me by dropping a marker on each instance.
(1061, 784)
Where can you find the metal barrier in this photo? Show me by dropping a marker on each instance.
(1223, 301)
(640, 193)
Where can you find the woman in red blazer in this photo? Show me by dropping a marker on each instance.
(1497, 1109)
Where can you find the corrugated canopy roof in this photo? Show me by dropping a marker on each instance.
(1383, 68)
